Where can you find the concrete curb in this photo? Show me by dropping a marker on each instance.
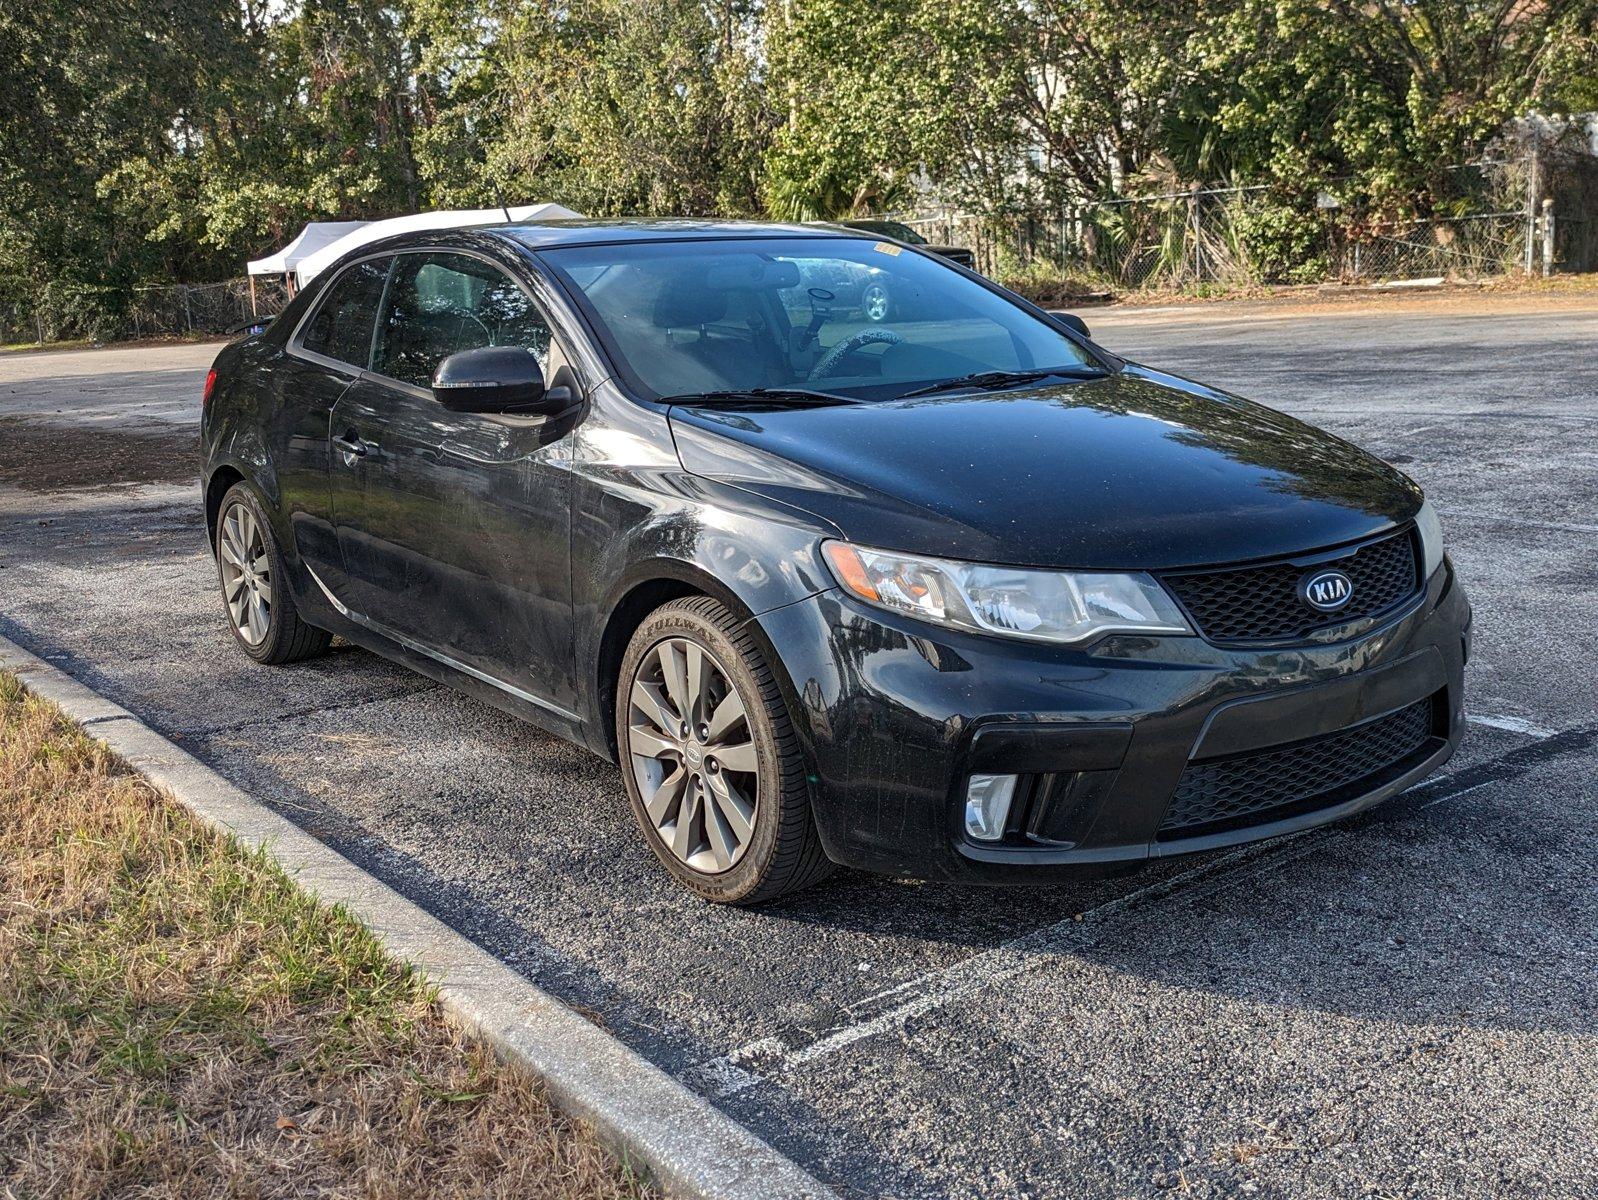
(689, 1147)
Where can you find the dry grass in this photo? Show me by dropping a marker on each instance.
(1577, 291)
(176, 1020)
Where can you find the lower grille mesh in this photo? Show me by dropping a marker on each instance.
(1253, 788)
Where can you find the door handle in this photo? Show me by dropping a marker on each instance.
(350, 444)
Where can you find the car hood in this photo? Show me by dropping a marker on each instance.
(1134, 471)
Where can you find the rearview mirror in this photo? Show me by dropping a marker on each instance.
(1071, 321)
(751, 271)
(495, 379)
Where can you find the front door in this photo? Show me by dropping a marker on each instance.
(455, 527)
(325, 357)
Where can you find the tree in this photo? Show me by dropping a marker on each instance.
(161, 140)
(873, 98)
(158, 140)
(610, 106)
(1385, 93)
(317, 120)
(1107, 83)
(89, 89)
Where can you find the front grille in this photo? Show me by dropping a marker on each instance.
(1255, 604)
(1268, 785)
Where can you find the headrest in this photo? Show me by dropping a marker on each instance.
(685, 303)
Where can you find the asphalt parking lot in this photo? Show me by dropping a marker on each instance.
(1405, 1004)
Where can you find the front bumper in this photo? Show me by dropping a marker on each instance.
(895, 714)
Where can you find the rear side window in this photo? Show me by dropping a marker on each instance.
(439, 304)
(342, 326)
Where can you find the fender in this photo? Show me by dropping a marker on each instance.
(693, 546)
(232, 426)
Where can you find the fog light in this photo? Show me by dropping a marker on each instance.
(987, 805)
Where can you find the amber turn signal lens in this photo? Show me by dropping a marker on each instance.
(851, 572)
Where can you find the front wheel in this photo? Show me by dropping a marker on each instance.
(255, 591)
(710, 758)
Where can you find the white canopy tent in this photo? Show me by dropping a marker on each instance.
(311, 239)
(310, 265)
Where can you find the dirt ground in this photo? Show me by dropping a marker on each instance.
(1462, 299)
(47, 458)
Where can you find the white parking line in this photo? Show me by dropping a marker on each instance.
(1464, 791)
(1512, 724)
(886, 1010)
(1528, 522)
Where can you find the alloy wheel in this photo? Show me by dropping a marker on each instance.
(874, 302)
(693, 755)
(246, 574)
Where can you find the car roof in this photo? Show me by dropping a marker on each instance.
(543, 235)
(552, 234)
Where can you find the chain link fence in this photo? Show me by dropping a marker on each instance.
(70, 312)
(1164, 245)
(1475, 246)
(1187, 240)
(1491, 219)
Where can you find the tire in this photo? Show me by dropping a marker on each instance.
(721, 853)
(876, 302)
(271, 633)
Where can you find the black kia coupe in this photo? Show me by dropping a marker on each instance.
(963, 596)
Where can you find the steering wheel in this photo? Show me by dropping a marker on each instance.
(830, 361)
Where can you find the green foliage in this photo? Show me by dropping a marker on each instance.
(1386, 93)
(610, 106)
(1285, 240)
(1110, 76)
(169, 140)
(870, 97)
(158, 140)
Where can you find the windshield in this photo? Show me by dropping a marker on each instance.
(865, 319)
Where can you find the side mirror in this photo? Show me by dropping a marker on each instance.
(495, 379)
(1071, 321)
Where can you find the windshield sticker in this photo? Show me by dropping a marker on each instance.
(887, 248)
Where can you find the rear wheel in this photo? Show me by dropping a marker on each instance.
(710, 759)
(255, 592)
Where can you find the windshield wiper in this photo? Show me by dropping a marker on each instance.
(797, 397)
(984, 380)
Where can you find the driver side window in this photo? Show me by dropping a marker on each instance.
(438, 304)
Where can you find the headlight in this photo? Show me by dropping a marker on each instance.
(1046, 606)
(1431, 539)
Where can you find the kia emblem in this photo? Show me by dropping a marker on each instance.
(1326, 591)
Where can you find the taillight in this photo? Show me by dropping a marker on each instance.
(210, 386)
